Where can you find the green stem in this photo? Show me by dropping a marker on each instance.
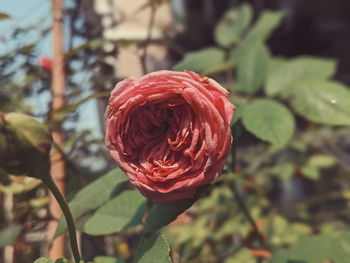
(245, 211)
(143, 234)
(67, 214)
(237, 195)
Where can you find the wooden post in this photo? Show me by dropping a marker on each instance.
(58, 167)
(9, 251)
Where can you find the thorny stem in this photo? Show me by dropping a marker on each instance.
(67, 214)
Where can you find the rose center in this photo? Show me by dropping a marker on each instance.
(154, 121)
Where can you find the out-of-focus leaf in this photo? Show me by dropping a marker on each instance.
(310, 172)
(232, 25)
(201, 60)
(267, 22)
(218, 68)
(29, 129)
(62, 260)
(323, 102)
(269, 120)
(94, 195)
(47, 260)
(9, 234)
(283, 171)
(28, 146)
(4, 16)
(312, 169)
(154, 249)
(252, 65)
(163, 214)
(62, 113)
(275, 63)
(92, 44)
(316, 249)
(322, 161)
(39, 202)
(123, 211)
(242, 256)
(43, 260)
(20, 185)
(238, 113)
(298, 71)
(105, 259)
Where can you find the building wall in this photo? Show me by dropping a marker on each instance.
(129, 21)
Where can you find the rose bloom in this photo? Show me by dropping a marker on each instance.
(169, 132)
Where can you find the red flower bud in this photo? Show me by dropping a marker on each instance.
(46, 63)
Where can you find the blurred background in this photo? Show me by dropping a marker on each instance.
(296, 188)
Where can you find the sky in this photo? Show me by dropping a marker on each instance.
(24, 13)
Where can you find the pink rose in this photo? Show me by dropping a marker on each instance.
(169, 132)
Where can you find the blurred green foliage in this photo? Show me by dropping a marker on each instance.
(289, 153)
(284, 193)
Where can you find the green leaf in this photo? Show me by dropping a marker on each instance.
(284, 171)
(232, 25)
(262, 29)
(218, 68)
(269, 120)
(285, 232)
(241, 256)
(92, 44)
(238, 113)
(239, 102)
(30, 131)
(4, 16)
(201, 60)
(47, 260)
(154, 249)
(28, 146)
(298, 71)
(9, 235)
(94, 195)
(312, 169)
(20, 187)
(310, 172)
(61, 114)
(275, 63)
(121, 212)
(322, 161)
(323, 102)
(63, 260)
(163, 214)
(252, 65)
(105, 259)
(316, 249)
(43, 260)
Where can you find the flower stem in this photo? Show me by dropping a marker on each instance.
(245, 211)
(237, 195)
(67, 214)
